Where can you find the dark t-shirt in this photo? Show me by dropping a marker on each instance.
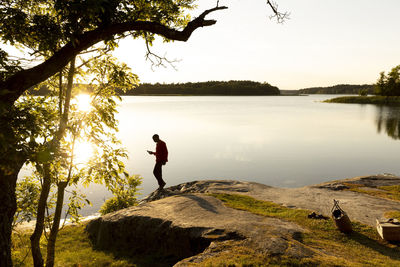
(161, 152)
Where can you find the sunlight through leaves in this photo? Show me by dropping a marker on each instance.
(83, 102)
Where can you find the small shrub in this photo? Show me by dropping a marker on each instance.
(117, 203)
(124, 194)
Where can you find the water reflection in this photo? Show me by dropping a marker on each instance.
(388, 120)
(286, 141)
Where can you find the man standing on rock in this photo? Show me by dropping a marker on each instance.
(161, 159)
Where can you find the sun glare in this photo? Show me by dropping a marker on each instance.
(83, 102)
(83, 152)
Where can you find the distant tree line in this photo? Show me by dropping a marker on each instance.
(340, 89)
(198, 88)
(206, 88)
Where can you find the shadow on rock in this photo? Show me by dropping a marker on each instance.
(373, 244)
(203, 203)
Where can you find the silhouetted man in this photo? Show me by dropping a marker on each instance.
(161, 159)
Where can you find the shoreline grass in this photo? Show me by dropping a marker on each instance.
(391, 192)
(375, 100)
(363, 247)
(73, 248)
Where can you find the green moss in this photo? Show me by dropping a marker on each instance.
(363, 247)
(393, 191)
(232, 254)
(376, 100)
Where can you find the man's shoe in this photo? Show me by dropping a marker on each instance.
(162, 185)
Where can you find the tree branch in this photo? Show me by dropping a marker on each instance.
(280, 17)
(156, 60)
(14, 86)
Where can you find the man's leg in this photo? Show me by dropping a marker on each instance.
(158, 174)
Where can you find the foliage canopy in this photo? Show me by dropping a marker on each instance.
(389, 85)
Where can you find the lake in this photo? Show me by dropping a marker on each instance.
(286, 141)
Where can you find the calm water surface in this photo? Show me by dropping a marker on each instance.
(286, 141)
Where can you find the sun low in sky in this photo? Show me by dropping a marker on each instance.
(83, 102)
(83, 150)
(323, 43)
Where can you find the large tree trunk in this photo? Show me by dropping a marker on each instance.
(11, 162)
(8, 205)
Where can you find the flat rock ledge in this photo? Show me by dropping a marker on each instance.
(182, 224)
(191, 228)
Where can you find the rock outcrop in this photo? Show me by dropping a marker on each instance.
(180, 227)
(183, 224)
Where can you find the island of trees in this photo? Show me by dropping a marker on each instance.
(206, 88)
(243, 88)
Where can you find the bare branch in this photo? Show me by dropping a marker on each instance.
(280, 17)
(158, 61)
(200, 19)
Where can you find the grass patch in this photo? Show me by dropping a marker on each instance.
(363, 247)
(391, 192)
(73, 248)
(375, 100)
(232, 253)
(393, 214)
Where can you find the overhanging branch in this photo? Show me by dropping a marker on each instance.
(14, 86)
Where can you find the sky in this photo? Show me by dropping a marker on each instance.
(325, 42)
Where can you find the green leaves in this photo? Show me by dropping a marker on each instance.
(27, 195)
(76, 203)
(7, 67)
(110, 75)
(389, 85)
(45, 26)
(53, 139)
(124, 191)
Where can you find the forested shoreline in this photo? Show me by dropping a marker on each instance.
(198, 88)
(224, 88)
(207, 88)
(340, 89)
